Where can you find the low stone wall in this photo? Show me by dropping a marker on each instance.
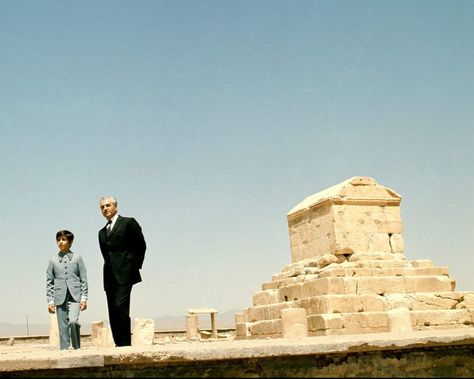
(444, 353)
(452, 362)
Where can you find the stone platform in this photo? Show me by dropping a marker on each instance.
(349, 273)
(431, 353)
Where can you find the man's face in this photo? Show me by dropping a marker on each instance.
(108, 208)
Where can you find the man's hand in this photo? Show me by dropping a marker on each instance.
(51, 308)
(83, 305)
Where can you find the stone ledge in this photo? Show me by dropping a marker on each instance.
(15, 359)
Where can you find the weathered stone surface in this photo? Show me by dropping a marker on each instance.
(294, 323)
(440, 353)
(143, 331)
(349, 273)
(399, 320)
(53, 330)
(105, 339)
(95, 327)
(357, 215)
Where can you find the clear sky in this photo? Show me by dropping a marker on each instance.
(210, 120)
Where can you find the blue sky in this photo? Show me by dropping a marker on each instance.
(210, 120)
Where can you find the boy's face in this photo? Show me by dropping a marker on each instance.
(63, 244)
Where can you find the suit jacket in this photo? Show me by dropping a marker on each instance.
(65, 272)
(123, 252)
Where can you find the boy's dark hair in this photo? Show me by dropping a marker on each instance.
(65, 233)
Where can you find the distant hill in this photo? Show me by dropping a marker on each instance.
(163, 323)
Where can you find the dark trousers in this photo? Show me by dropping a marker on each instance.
(118, 303)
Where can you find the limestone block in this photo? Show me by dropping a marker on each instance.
(377, 320)
(365, 272)
(467, 300)
(268, 312)
(323, 286)
(399, 256)
(265, 297)
(438, 283)
(356, 242)
(267, 327)
(308, 270)
(322, 261)
(350, 285)
(291, 293)
(333, 266)
(398, 271)
(279, 276)
(143, 330)
(339, 304)
(391, 227)
(205, 335)
(362, 264)
(287, 281)
(377, 271)
(311, 304)
(394, 301)
(273, 285)
(453, 283)
(433, 318)
(367, 320)
(400, 321)
(379, 243)
(239, 317)
(422, 263)
(192, 327)
(293, 323)
(372, 302)
(105, 338)
(396, 243)
(471, 313)
(339, 271)
(457, 296)
(419, 271)
(311, 233)
(365, 256)
(433, 301)
(367, 188)
(325, 321)
(296, 270)
(242, 329)
(381, 285)
(364, 218)
(53, 330)
(386, 263)
(95, 326)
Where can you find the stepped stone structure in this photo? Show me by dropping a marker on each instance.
(349, 272)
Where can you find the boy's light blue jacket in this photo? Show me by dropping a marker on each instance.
(66, 271)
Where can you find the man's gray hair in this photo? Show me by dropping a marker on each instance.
(112, 198)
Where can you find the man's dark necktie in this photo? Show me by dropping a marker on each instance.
(109, 227)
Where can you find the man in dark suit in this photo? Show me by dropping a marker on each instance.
(123, 247)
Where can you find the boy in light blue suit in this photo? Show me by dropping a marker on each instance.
(66, 290)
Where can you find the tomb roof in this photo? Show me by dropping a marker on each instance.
(362, 188)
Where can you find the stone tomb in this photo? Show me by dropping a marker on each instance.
(349, 272)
